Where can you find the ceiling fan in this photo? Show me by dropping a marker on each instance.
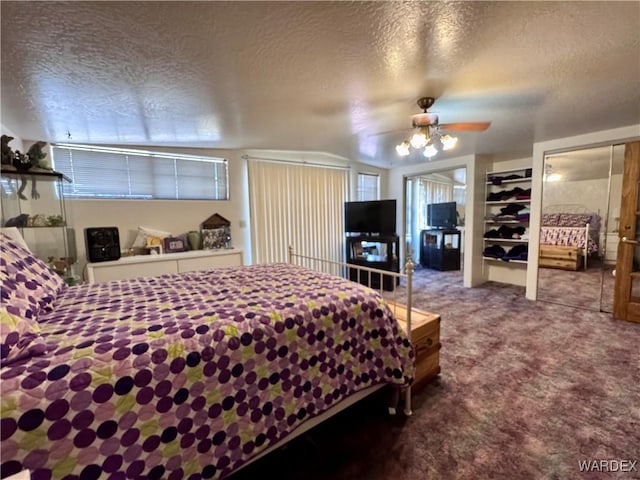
(428, 131)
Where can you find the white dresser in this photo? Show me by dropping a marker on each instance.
(153, 265)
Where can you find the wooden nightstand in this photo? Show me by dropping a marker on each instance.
(425, 336)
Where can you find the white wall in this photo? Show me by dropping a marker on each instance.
(175, 216)
(180, 216)
(592, 194)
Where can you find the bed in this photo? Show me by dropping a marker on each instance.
(571, 226)
(184, 375)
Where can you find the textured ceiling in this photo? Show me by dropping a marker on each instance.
(317, 76)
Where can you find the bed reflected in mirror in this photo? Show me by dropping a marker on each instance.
(577, 248)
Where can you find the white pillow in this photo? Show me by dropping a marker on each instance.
(144, 232)
(14, 234)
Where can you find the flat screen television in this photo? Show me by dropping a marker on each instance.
(374, 216)
(442, 215)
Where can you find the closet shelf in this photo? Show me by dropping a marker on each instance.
(507, 240)
(506, 222)
(515, 180)
(505, 202)
(502, 261)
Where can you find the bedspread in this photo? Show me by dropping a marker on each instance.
(568, 236)
(191, 375)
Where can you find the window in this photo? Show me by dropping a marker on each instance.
(99, 172)
(368, 186)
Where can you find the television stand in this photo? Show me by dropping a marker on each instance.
(374, 251)
(440, 249)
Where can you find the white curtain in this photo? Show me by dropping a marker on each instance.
(424, 192)
(297, 205)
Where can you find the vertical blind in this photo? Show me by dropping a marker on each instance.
(98, 172)
(368, 186)
(297, 205)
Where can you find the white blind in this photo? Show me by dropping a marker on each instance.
(368, 186)
(297, 205)
(98, 172)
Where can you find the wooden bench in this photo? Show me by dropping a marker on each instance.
(559, 256)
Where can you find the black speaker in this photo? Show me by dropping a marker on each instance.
(102, 243)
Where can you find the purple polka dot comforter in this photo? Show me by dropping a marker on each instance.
(191, 375)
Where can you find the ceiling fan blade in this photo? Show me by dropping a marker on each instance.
(389, 132)
(466, 126)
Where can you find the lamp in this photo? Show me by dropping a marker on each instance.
(430, 139)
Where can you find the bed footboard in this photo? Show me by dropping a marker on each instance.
(342, 268)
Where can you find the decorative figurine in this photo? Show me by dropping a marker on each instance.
(36, 155)
(7, 152)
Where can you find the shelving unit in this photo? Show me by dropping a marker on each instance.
(440, 249)
(33, 201)
(373, 251)
(503, 214)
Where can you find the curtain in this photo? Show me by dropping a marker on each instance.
(298, 205)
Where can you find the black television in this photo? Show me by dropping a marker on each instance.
(442, 215)
(374, 216)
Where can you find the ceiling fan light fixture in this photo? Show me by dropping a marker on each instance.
(430, 150)
(448, 142)
(419, 139)
(427, 134)
(403, 149)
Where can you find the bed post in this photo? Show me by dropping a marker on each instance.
(409, 267)
(586, 243)
(290, 248)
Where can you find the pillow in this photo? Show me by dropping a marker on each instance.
(144, 232)
(550, 219)
(573, 219)
(24, 276)
(14, 234)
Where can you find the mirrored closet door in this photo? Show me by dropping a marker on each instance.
(422, 191)
(579, 227)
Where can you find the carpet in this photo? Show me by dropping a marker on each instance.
(527, 391)
(591, 289)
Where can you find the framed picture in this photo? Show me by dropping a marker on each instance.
(174, 244)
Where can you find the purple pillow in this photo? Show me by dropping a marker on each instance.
(23, 272)
(29, 286)
(550, 219)
(574, 219)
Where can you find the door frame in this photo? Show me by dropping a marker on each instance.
(626, 306)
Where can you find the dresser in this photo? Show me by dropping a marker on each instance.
(153, 265)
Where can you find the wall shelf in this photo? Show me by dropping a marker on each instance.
(507, 211)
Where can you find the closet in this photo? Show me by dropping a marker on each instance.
(579, 225)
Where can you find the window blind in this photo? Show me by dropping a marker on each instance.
(98, 172)
(368, 186)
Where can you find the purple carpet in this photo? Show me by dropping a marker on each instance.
(528, 390)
